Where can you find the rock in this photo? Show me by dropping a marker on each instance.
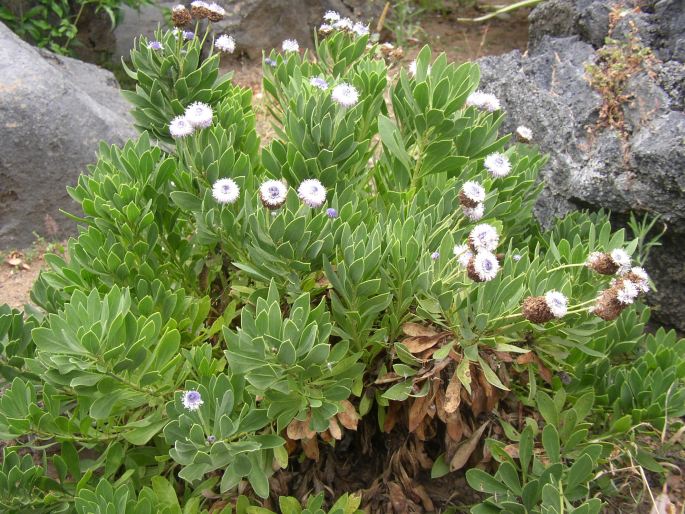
(53, 113)
(638, 168)
(593, 23)
(137, 22)
(670, 19)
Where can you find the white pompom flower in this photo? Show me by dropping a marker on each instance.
(524, 134)
(474, 213)
(484, 101)
(273, 193)
(312, 192)
(498, 165)
(360, 29)
(640, 277)
(463, 255)
(225, 43)
(344, 24)
(621, 259)
(483, 237)
(225, 191)
(331, 16)
(180, 127)
(557, 303)
(345, 95)
(627, 292)
(290, 45)
(199, 115)
(473, 191)
(485, 265)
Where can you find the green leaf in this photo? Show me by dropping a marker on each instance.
(440, 467)
(484, 482)
(550, 441)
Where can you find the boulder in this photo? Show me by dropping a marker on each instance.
(639, 167)
(53, 113)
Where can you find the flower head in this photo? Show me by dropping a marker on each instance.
(343, 24)
(484, 101)
(483, 237)
(216, 12)
(517, 257)
(463, 255)
(360, 29)
(621, 259)
(345, 95)
(211, 439)
(192, 400)
(325, 29)
(627, 292)
(483, 267)
(155, 45)
(498, 165)
(312, 192)
(557, 303)
(290, 45)
(639, 277)
(188, 35)
(524, 134)
(331, 213)
(331, 16)
(199, 115)
(225, 190)
(180, 127)
(601, 263)
(273, 194)
(474, 213)
(318, 82)
(474, 191)
(200, 9)
(180, 16)
(270, 61)
(435, 256)
(225, 43)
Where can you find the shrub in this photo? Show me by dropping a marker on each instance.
(229, 311)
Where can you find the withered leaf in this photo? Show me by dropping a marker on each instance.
(418, 411)
(455, 427)
(349, 418)
(452, 395)
(532, 358)
(416, 330)
(419, 344)
(334, 428)
(465, 451)
(300, 430)
(311, 448)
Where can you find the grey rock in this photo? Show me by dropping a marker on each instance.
(53, 113)
(593, 23)
(135, 23)
(552, 18)
(671, 77)
(670, 19)
(595, 167)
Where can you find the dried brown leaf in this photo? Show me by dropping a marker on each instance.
(453, 394)
(419, 344)
(417, 412)
(465, 451)
(334, 428)
(455, 426)
(311, 448)
(349, 418)
(416, 330)
(300, 430)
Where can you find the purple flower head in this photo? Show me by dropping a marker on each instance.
(192, 400)
(211, 439)
(331, 213)
(188, 34)
(270, 61)
(155, 45)
(435, 256)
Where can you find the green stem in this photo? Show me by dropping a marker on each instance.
(503, 10)
(564, 266)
